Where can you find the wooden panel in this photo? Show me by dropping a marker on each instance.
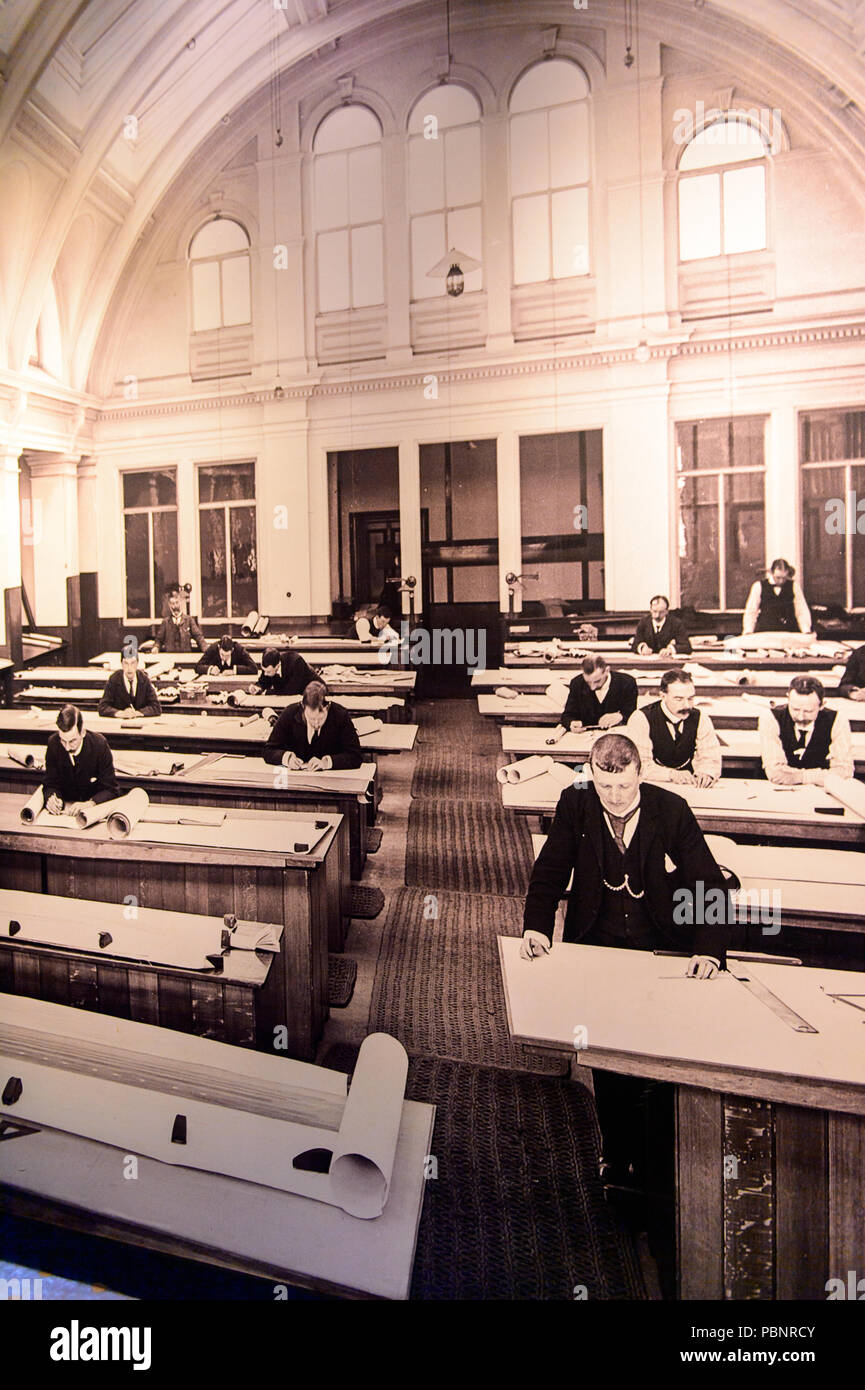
(846, 1187)
(25, 973)
(699, 1183)
(749, 1199)
(241, 1009)
(208, 1012)
(801, 1181)
(144, 996)
(83, 987)
(112, 982)
(175, 1004)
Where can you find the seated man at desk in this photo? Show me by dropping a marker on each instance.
(658, 633)
(802, 741)
(226, 657)
(598, 697)
(631, 847)
(382, 630)
(677, 742)
(282, 673)
(129, 692)
(852, 683)
(314, 735)
(179, 631)
(78, 764)
(776, 603)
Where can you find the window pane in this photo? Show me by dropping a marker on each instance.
(235, 290)
(745, 538)
(748, 442)
(136, 532)
(699, 217)
(723, 142)
(165, 566)
(427, 248)
(333, 282)
(218, 238)
(331, 190)
(463, 166)
(530, 167)
(822, 553)
(569, 145)
(156, 489)
(547, 84)
(699, 570)
(451, 105)
(426, 175)
(531, 240)
(570, 232)
(745, 209)
(367, 276)
(561, 506)
(464, 232)
(346, 128)
(226, 482)
(736, 443)
(364, 184)
(833, 434)
(213, 578)
(244, 581)
(205, 296)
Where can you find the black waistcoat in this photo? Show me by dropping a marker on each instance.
(670, 752)
(777, 611)
(623, 917)
(817, 749)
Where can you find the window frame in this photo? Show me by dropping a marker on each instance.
(349, 228)
(229, 616)
(846, 465)
(446, 209)
(720, 170)
(147, 511)
(219, 260)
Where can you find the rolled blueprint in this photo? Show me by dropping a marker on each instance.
(126, 812)
(367, 724)
(31, 808)
(526, 768)
(363, 1155)
(22, 759)
(89, 814)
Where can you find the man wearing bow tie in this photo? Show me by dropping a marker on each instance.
(776, 603)
(802, 741)
(677, 742)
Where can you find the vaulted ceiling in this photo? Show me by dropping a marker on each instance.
(77, 69)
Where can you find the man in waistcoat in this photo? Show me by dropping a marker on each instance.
(802, 741)
(776, 603)
(677, 742)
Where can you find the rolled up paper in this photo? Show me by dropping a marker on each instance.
(365, 1148)
(367, 724)
(126, 812)
(89, 814)
(504, 692)
(32, 806)
(22, 759)
(526, 768)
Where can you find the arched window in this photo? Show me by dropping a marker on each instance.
(445, 190)
(348, 209)
(219, 261)
(722, 189)
(549, 164)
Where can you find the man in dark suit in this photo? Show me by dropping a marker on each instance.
(598, 697)
(314, 735)
(282, 673)
(129, 692)
(78, 764)
(659, 633)
(852, 684)
(179, 632)
(226, 657)
(631, 848)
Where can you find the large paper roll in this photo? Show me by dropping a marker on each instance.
(367, 724)
(31, 808)
(22, 759)
(126, 812)
(526, 768)
(88, 814)
(363, 1155)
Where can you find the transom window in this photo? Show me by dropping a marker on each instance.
(722, 190)
(219, 261)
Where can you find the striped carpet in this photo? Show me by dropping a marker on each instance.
(469, 846)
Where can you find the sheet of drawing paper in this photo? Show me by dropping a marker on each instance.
(363, 1155)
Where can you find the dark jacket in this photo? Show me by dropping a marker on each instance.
(92, 778)
(240, 661)
(292, 678)
(667, 826)
(673, 630)
(854, 673)
(179, 637)
(337, 738)
(583, 703)
(115, 696)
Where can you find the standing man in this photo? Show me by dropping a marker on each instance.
(677, 742)
(129, 692)
(597, 697)
(315, 735)
(282, 673)
(659, 634)
(179, 631)
(78, 764)
(776, 603)
(226, 657)
(803, 741)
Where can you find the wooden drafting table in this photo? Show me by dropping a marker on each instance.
(360, 656)
(726, 712)
(787, 1107)
(246, 866)
(535, 680)
(618, 654)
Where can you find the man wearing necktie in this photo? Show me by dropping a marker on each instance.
(78, 764)
(802, 741)
(660, 634)
(677, 742)
(129, 693)
(776, 603)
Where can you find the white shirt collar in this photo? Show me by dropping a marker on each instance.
(601, 693)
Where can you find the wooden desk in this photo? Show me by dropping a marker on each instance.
(536, 679)
(380, 682)
(753, 812)
(245, 867)
(725, 711)
(707, 652)
(361, 655)
(770, 1131)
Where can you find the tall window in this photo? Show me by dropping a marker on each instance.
(722, 190)
(549, 165)
(219, 264)
(150, 539)
(721, 487)
(832, 453)
(348, 209)
(562, 515)
(445, 186)
(227, 542)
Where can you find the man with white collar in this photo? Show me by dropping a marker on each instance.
(677, 742)
(78, 764)
(598, 698)
(659, 633)
(802, 741)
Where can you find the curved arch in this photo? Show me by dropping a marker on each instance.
(462, 75)
(360, 96)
